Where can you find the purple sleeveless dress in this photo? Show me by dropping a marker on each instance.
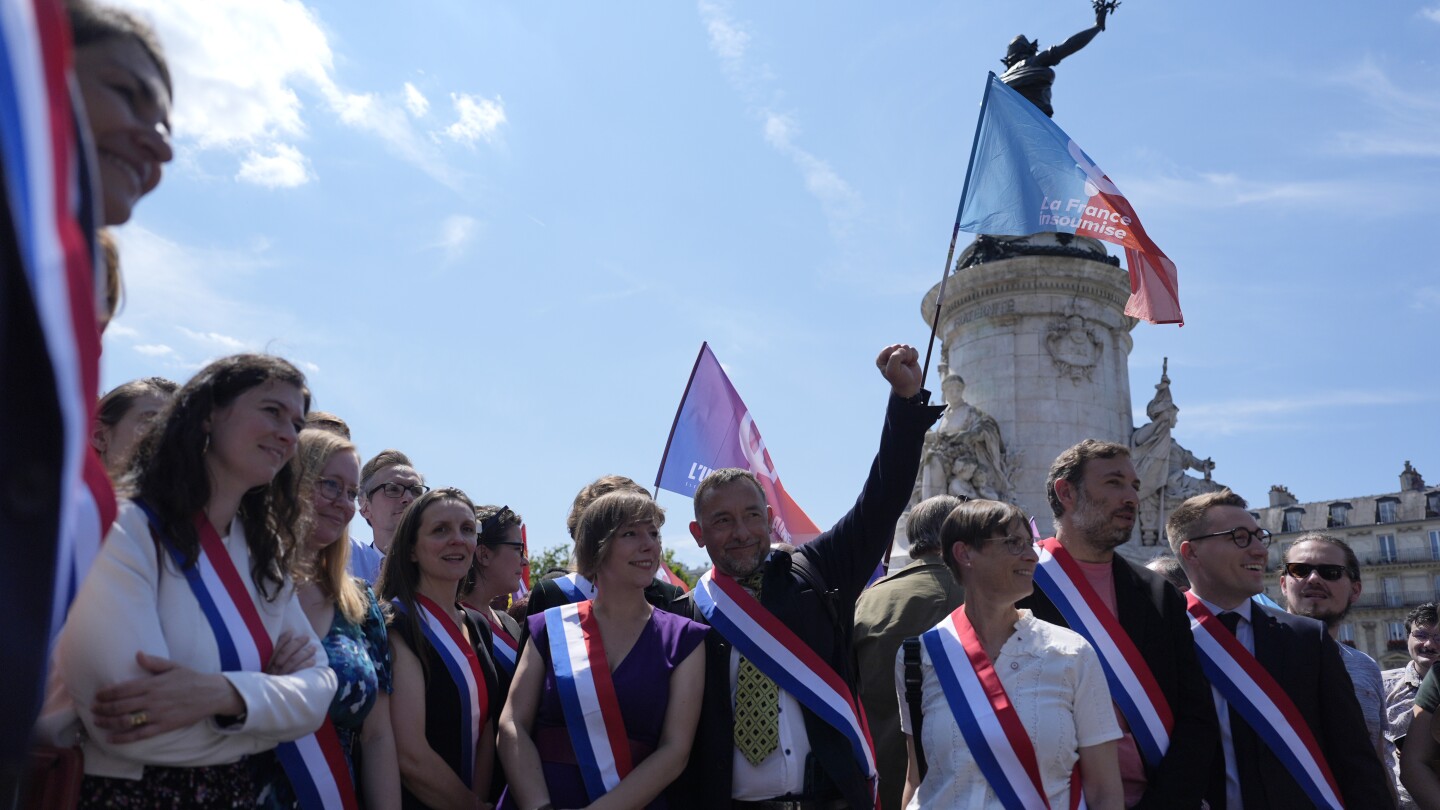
(642, 686)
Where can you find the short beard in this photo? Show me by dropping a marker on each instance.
(1089, 523)
(1328, 619)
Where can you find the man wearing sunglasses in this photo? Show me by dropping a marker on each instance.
(1320, 578)
(1305, 692)
(388, 484)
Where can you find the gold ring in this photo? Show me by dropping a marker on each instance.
(138, 719)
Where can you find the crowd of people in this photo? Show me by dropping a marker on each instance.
(230, 644)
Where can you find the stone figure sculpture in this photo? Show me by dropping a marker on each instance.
(1073, 346)
(964, 454)
(1030, 71)
(1161, 463)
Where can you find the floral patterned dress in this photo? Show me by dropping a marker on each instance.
(360, 656)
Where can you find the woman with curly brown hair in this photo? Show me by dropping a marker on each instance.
(185, 651)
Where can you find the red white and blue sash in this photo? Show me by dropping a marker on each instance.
(505, 647)
(315, 764)
(587, 693)
(1261, 701)
(575, 587)
(784, 658)
(992, 728)
(1132, 685)
(461, 663)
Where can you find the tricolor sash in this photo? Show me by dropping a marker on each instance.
(505, 647)
(575, 587)
(587, 694)
(1263, 704)
(449, 641)
(1132, 685)
(997, 739)
(784, 658)
(315, 764)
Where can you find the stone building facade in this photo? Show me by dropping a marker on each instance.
(1396, 536)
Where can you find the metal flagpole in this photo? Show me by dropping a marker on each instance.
(955, 234)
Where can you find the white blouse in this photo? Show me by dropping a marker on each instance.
(1054, 679)
(130, 602)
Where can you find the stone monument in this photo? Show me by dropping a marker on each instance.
(1036, 327)
(1162, 463)
(964, 454)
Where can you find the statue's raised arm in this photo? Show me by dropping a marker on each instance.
(1030, 71)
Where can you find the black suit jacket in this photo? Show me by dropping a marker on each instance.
(841, 560)
(1153, 614)
(1305, 661)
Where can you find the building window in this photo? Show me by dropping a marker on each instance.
(1347, 633)
(1432, 504)
(1339, 514)
(1387, 510)
(1292, 519)
(1435, 545)
(1390, 586)
(1396, 631)
(1387, 548)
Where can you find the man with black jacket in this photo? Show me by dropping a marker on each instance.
(758, 745)
(1093, 493)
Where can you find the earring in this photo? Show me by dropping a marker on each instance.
(206, 448)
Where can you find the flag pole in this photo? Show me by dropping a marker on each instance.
(955, 234)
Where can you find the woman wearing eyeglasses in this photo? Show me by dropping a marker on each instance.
(498, 568)
(1011, 706)
(345, 615)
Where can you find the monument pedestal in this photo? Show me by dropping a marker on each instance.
(1036, 327)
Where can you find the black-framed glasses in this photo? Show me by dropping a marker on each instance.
(394, 490)
(1015, 544)
(336, 492)
(1329, 573)
(1240, 536)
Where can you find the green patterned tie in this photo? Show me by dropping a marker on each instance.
(757, 702)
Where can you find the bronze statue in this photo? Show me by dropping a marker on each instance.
(1030, 71)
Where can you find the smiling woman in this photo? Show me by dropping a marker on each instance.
(125, 82)
(1035, 677)
(445, 692)
(651, 667)
(173, 705)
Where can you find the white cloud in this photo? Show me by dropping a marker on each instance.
(1431, 14)
(1426, 298)
(284, 168)
(1252, 414)
(197, 300)
(153, 349)
(216, 339)
(456, 232)
(308, 367)
(1184, 188)
(835, 195)
(727, 40)
(1405, 120)
(731, 43)
(244, 70)
(415, 101)
(478, 118)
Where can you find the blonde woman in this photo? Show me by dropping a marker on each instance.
(345, 615)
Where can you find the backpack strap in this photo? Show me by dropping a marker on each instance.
(913, 681)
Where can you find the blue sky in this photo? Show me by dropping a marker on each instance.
(495, 235)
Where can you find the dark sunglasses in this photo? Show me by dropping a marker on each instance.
(1329, 573)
